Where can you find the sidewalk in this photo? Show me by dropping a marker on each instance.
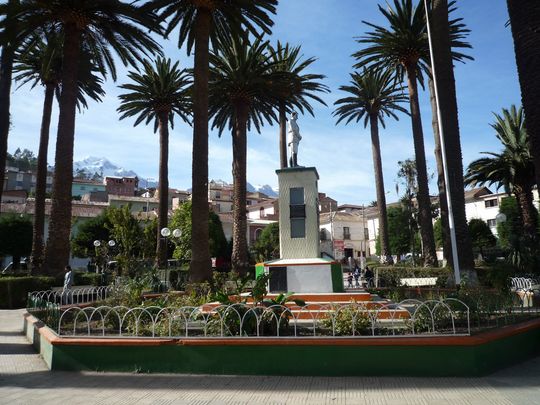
(24, 379)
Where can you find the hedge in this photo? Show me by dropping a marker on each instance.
(14, 290)
(389, 276)
(94, 279)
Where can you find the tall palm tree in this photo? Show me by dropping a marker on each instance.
(39, 61)
(374, 94)
(295, 94)
(525, 23)
(100, 25)
(448, 37)
(244, 88)
(403, 47)
(158, 94)
(199, 23)
(513, 168)
(8, 42)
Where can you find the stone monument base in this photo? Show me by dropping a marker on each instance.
(313, 275)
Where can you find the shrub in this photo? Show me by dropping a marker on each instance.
(14, 290)
(93, 279)
(389, 276)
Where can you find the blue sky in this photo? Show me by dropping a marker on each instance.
(342, 154)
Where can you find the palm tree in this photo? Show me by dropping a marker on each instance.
(294, 95)
(525, 23)
(8, 42)
(374, 94)
(449, 35)
(158, 94)
(99, 24)
(39, 61)
(244, 88)
(404, 48)
(513, 168)
(199, 23)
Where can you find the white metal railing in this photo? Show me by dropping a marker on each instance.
(75, 296)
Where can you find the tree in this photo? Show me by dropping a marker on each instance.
(99, 25)
(82, 244)
(510, 230)
(181, 219)
(267, 246)
(8, 42)
(403, 47)
(525, 23)
(126, 231)
(158, 94)
(39, 61)
(481, 235)
(244, 88)
(299, 88)
(512, 169)
(15, 237)
(448, 35)
(199, 23)
(373, 95)
(400, 234)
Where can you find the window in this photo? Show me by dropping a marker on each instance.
(346, 232)
(218, 195)
(297, 212)
(492, 223)
(258, 233)
(366, 233)
(144, 208)
(298, 227)
(261, 212)
(491, 203)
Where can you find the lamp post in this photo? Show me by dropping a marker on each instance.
(451, 224)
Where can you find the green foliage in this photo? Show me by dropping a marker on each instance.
(389, 276)
(14, 290)
(510, 230)
(267, 246)
(15, 236)
(24, 160)
(181, 219)
(149, 240)
(82, 244)
(347, 320)
(438, 233)
(126, 231)
(92, 279)
(399, 233)
(481, 235)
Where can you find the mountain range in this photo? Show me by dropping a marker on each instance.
(104, 167)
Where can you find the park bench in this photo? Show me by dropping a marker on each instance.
(418, 281)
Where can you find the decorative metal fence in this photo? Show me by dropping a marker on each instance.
(76, 296)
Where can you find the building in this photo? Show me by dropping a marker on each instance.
(126, 186)
(15, 179)
(267, 210)
(14, 196)
(80, 187)
(220, 196)
(344, 234)
(327, 204)
(137, 204)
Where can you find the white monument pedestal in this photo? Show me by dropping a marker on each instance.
(300, 268)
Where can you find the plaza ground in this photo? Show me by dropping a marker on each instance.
(24, 379)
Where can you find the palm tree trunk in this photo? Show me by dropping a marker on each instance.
(161, 247)
(58, 248)
(282, 135)
(424, 203)
(6, 67)
(41, 179)
(200, 269)
(240, 260)
(529, 215)
(442, 53)
(443, 205)
(379, 185)
(525, 23)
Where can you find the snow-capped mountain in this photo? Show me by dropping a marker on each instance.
(266, 189)
(102, 166)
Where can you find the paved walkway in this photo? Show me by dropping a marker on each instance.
(24, 379)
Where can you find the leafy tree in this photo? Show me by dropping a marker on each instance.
(181, 219)
(481, 235)
(438, 232)
(509, 231)
(400, 234)
(244, 88)
(267, 246)
(99, 25)
(158, 94)
(149, 241)
(373, 95)
(82, 244)
(15, 237)
(299, 88)
(199, 23)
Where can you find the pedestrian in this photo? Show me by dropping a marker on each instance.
(68, 283)
(369, 277)
(356, 276)
(349, 279)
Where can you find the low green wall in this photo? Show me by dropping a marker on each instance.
(313, 360)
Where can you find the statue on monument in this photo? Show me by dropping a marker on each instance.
(293, 139)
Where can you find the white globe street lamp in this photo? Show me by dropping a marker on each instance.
(97, 243)
(500, 218)
(165, 232)
(177, 233)
(112, 243)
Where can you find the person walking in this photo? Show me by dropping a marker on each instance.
(68, 283)
(356, 276)
(349, 280)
